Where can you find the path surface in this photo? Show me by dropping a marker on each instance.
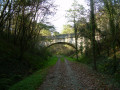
(66, 75)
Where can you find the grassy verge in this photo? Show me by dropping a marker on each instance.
(33, 81)
(62, 59)
(69, 58)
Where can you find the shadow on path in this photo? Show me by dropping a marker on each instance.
(66, 75)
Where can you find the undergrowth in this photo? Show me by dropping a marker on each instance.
(33, 81)
(104, 66)
(13, 70)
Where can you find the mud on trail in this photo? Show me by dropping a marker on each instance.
(66, 75)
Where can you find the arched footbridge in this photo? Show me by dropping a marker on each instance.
(68, 39)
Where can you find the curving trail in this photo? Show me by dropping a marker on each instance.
(66, 75)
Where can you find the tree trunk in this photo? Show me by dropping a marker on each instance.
(15, 33)
(114, 58)
(76, 39)
(108, 53)
(93, 27)
(22, 37)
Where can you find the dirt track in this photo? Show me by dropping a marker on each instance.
(66, 75)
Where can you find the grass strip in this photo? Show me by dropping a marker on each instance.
(33, 81)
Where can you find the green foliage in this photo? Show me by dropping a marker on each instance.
(84, 59)
(117, 76)
(61, 49)
(45, 32)
(13, 70)
(33, 81)
(67, 29)
(106, 66)
(75, 12)
(45, 26)
(56, 33)
(70, 58)
(62, 59)
(18, 26)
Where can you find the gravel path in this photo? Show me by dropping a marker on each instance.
(66, 75)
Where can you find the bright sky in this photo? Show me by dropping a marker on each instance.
(59, 18)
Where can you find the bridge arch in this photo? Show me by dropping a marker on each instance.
(61, 43)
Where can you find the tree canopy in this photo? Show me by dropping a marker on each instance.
(67, 29)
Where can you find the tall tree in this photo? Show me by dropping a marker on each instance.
(113, 11)
(74, 14)
(93, 27)
(18, 19)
